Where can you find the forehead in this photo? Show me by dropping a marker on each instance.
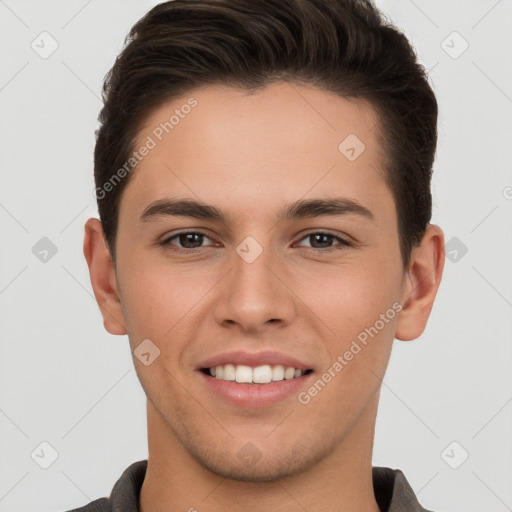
(225, 145)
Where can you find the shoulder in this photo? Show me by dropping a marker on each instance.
(99, 505)
(125, 493)
(393, 492)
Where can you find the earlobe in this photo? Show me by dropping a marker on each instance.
(103, 278)
(421, 284)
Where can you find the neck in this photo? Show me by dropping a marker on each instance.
(176, 482)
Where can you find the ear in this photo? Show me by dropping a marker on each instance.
(103, 277)
(421, 284)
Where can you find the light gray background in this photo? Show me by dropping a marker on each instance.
(67, 382)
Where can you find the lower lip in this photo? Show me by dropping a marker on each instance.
(256, 395)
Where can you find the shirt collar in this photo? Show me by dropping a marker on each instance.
(392, 490)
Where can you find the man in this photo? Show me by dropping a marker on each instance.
(263, 180)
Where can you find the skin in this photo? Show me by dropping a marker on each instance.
(249, 155)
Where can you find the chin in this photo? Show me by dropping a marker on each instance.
(250, 464)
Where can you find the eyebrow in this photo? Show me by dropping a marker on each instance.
(297, 210)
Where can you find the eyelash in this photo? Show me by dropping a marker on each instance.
(343, 243)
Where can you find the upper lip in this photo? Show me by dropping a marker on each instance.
(253, 359)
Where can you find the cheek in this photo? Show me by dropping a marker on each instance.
(167, 304)
(157, 298)
(349, 300)
(356, 309)
(359, 314)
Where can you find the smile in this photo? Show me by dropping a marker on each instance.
(263, 374)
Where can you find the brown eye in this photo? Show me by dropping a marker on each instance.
(186, 240)
(325, 241)
(190, 240)
(320, 241)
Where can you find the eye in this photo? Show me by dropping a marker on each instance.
(324, 241)
(186, 241)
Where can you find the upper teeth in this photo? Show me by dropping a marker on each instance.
(259, 375)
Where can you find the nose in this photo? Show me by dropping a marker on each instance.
(255, 296)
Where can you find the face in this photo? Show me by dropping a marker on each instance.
(251, 242)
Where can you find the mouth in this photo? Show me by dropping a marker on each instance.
(262, 374)
(254, 380)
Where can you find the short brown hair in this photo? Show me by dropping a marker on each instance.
(341, 46)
